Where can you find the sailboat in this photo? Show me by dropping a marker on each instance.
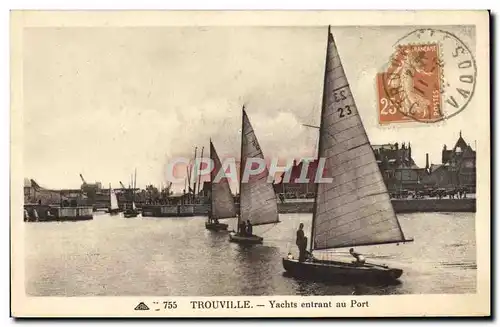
(222, 201)
(257, 197)
(355, 208)
(113, 208)
(132, 212)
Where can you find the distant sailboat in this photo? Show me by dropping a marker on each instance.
(222, 201)
(257, 197)
(355, 209)
(132, 212)
(113, 208)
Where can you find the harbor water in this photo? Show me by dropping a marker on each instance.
(113, 256)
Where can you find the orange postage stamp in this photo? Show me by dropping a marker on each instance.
(410, 88)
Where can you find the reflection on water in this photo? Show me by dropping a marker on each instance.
(177, 256)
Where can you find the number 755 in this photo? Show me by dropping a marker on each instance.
(170, 304)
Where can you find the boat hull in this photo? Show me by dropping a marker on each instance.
(215, 226)
(336, 270)
(253, 239)
(113, 211)
(130, 214)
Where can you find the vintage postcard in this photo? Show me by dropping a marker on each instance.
(250, 164)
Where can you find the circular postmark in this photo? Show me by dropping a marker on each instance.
(431, 76)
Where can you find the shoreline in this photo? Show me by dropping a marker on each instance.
(399, 205)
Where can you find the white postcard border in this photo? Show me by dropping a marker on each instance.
(379, 306)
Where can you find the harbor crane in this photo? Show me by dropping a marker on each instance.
(123, 186)
(90, 186)
(83, 179)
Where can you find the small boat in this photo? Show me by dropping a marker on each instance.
(222, 201)
(341, 271)
(113, 209)
(132, 212)
(354, 209)
(257, 197)
(245, 239)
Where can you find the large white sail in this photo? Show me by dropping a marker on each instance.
(114, 200)
(257, 197)
(222, 200)
(355, 209)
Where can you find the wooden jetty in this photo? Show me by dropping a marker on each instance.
(43, 213)
(180, 210)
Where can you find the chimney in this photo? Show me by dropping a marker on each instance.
(426, 161)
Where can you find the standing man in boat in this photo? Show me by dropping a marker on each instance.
(249, 228)
(242, 228)
(301, 243)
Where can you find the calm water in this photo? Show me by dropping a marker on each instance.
(177, 256)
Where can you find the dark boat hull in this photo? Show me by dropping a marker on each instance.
(253, 239)
(336, 271)
(113, 211)
(130, 214)
(216, 226)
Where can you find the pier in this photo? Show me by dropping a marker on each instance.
(400, 205)
(185, 210)
(40, 212)
(306, 206)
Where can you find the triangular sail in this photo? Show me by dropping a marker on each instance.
(222, 201)
(114, 200)
(355, 208)
(257, 198)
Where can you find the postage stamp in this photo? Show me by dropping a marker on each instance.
(430, 77)
(209, 164)
(411, 87)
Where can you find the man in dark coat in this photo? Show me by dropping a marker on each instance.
(301, 243)
(242, 229)
(249, 228)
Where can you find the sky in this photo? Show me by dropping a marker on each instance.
(104, 101)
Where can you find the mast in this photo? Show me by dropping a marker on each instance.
(241, 158)
(194, 175)
(199, 175)
(188, 179)
(130, 190)
(133, 188)
(211, 180)
(316, 185)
